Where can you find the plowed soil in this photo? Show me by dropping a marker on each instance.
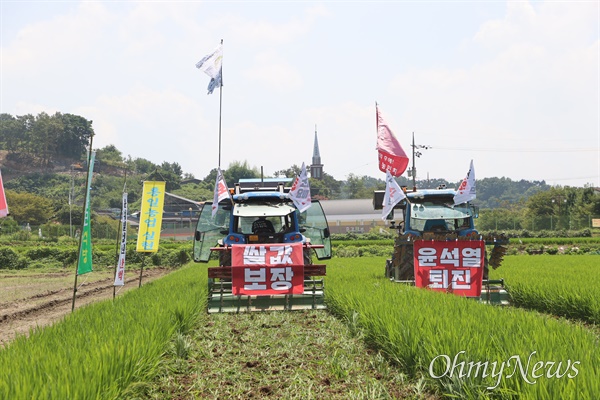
(29, 300)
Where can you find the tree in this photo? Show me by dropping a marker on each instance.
(29, 208)
(356, 188)
(75, 136)
(291, 172)
(141, 166)
(239, 170)
(109, 153)
(197, 192)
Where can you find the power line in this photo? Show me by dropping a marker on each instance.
(515, 150)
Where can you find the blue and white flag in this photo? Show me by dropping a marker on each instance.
(300, 191)
(211, 66)
(393, 194)
(221, 192)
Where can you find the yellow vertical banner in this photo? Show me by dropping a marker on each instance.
(153, 198)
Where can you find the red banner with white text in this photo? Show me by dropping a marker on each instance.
(267, 269)
(450, 266)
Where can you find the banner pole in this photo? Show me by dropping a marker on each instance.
(220, 108)
(82, 224)
(142, 269)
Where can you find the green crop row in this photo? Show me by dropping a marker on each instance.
(465, 348)
(567, 286)
(62, 256)
(99, 350)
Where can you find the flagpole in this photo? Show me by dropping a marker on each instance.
(220, 108)
(118, 248)
(85, 203)
(142, 270)
(414, 169)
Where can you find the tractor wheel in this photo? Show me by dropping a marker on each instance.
(307, 256)
(389, 268)
(405, 263)
(225, 259)
(486, 266)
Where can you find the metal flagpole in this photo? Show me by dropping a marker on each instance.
(85, 202)
(220, 108)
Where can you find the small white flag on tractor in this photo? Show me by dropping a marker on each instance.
(393, 195)
(221, 191)
(300, 191)
(211, 65)
(466, 190)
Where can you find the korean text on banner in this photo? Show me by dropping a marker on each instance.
(120, 275)
(445, 266)
(84, 265)
(153, 199)
(391, 154)
(267, 269)
(300, 191)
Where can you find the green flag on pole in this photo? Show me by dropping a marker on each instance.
(85, 247)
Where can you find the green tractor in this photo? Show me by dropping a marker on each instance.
(265, 247)
(431, 221)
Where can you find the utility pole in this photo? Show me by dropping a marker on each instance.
(415, 154)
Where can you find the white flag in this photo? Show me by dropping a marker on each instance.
(466, 190)
(300, 191)
(221, 191)
(393, 194)
(120, 273)
(211, 65)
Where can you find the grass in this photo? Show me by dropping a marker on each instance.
(413, 327)
(566, 286)
(291, 355)
(101, 349)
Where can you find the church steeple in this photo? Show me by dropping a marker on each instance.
(316, 168)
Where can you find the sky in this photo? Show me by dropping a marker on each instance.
(512, 85)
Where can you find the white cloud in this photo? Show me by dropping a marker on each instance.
(527, 78)
(533, 92)
(271, 70)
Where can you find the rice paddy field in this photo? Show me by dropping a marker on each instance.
(377, 339)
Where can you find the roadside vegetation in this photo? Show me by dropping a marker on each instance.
(100, 350)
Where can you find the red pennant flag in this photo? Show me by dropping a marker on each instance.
(391, 155)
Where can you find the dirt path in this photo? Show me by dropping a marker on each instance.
(42, 306)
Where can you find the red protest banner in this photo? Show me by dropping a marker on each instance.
(267, 269)
(446, 266)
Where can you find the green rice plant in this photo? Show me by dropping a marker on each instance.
(465, 348)
(99, 350)
(566, 286)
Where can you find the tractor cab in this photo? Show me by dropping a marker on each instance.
(261, 217)
(429, 216)
(263, 223)
(434, 211)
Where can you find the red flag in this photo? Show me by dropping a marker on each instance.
(391, 155)
(3, 205)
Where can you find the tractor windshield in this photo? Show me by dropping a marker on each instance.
(428, 216)
(278, 217)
